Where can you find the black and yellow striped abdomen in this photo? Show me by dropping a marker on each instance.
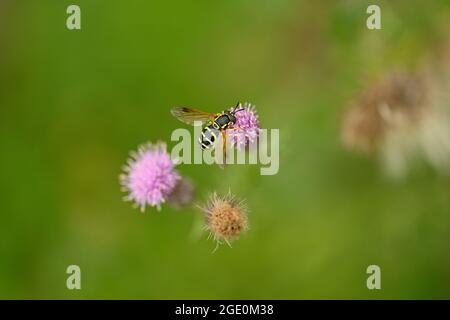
(209, 135)
(211, 132)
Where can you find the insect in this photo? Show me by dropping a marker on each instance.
(215, 123)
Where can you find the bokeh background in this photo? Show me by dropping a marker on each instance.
(74, 103)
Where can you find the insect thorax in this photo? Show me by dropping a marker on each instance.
(223, 121)
(211, 131)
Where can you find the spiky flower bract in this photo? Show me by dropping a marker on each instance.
(246, 129)
(226, 217)
(149, 177)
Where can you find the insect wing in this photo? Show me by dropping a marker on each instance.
(190, 115)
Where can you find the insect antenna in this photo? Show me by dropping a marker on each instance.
(235, 109)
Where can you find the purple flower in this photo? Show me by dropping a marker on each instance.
(149, 177)
(246, 129)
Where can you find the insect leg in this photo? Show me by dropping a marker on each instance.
(224, 149)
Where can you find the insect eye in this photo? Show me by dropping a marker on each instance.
(212, 138)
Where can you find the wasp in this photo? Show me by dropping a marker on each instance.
(214, 123)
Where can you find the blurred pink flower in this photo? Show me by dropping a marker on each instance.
(149, 177)
(246, 127)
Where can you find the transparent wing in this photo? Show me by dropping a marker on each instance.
(190, 115)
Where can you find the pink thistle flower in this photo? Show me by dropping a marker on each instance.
(149, 177)
(246, 129)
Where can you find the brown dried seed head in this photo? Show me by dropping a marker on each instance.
(395, 101)
(226, 218)
(182, 194)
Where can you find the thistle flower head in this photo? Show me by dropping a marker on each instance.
(401, 117)
(149, 177)
(246, 129)
(395, 102)
(182, 194)
(226, 218)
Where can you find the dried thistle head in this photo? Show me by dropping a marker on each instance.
(226, 217)
(182, 194)
(401, 117)
(395, 102)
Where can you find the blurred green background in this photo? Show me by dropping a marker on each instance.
(74, 103)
